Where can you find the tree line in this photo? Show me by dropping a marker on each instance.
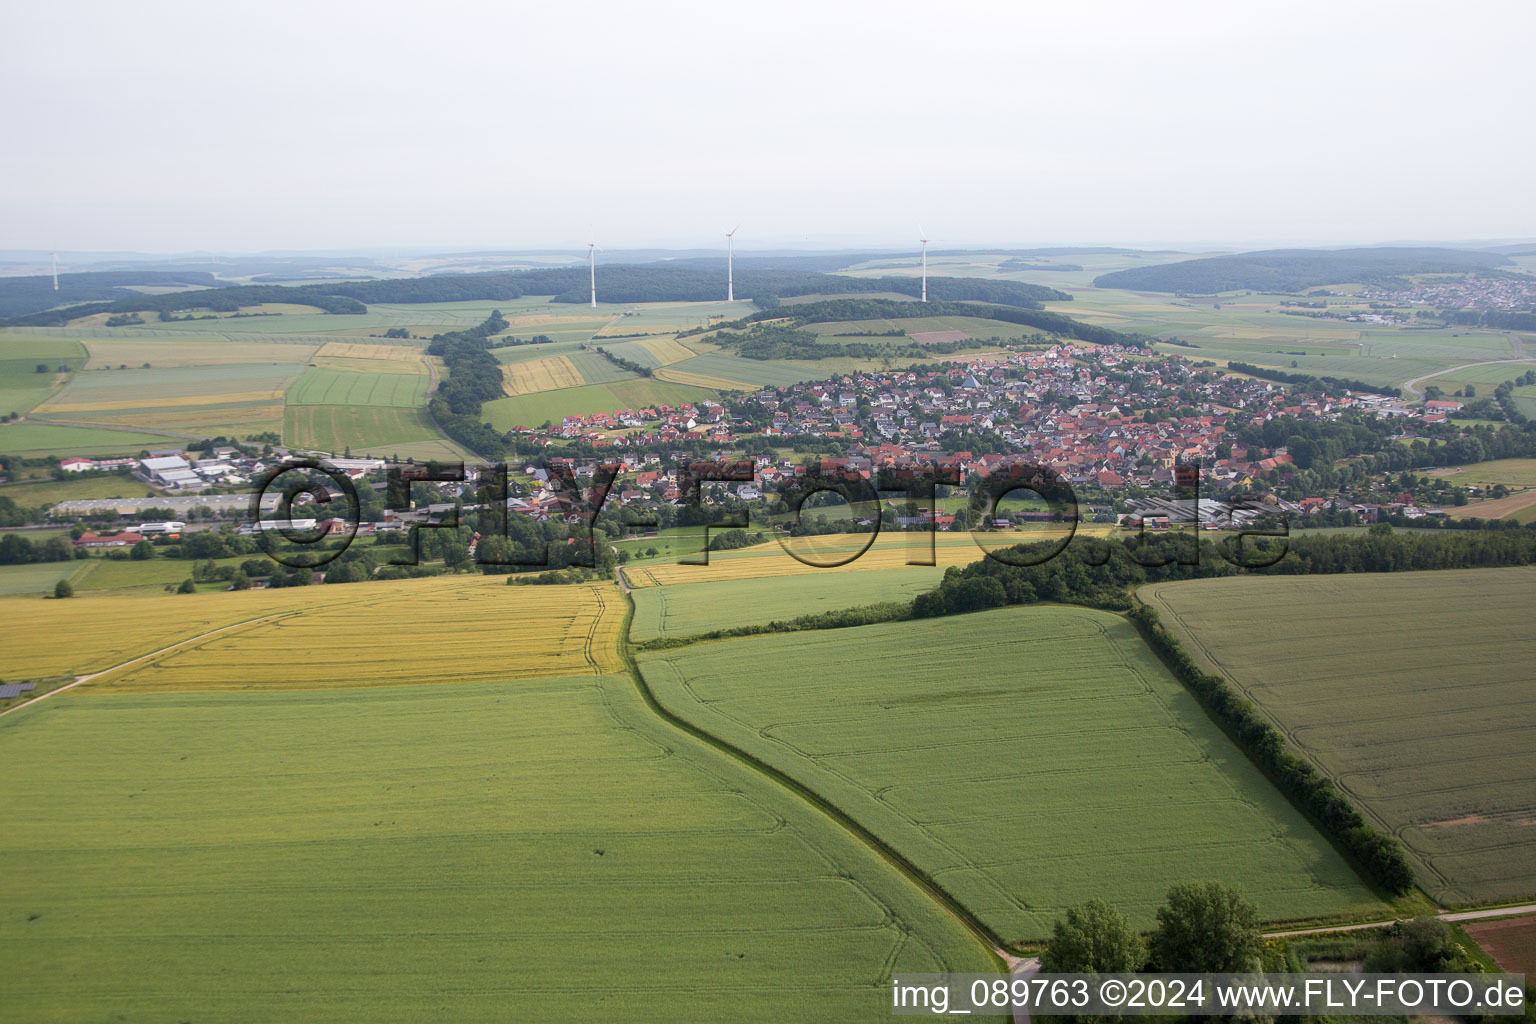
(834, 310)
(220, 300)
(474, 378)
(1312, 382)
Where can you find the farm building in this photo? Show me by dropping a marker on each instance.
(108, 540)
(170, 471)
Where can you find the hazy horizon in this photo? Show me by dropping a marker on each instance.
(180, 128)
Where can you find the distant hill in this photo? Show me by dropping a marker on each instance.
(1292, 270)
(22, 295)
(627, 283)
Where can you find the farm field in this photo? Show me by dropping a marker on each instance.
(889, 550)
(362, 428)
(98, 573)
(189, 400)
(138, 388)
(543, 350)
(36, 577)
(34, 436)
(1026, 759)
(113, 353)
(1510, 472)
(433, 852)
(690, 608)
(1412, 690)
(1511, 507)
(21, 387)
(321, 386)
(395, 634)
(49, 491)
(736, 372)
(1511, 942)
(109, 628)
(403, 353)
(596, 369)
(637, 393)
(531, 376)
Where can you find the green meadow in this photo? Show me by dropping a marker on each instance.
(687, 609)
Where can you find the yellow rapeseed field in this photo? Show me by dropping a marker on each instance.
(447, 629)
(534, 375)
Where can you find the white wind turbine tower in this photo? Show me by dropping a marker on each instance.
(924, 240)
(592, 267)
(730, 257)
(55, 270)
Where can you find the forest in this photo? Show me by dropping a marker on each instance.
(1291, 270)
(22, 295)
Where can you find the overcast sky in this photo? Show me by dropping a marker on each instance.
(280, 125)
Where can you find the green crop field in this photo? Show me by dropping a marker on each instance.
(36, 577)
(112, 353)
(636, 393)
(1026, 759)
(538, 850)
(21, 387)
(751, 372)
(98, 573)
(49, 492)
(174, 385)
(595, 369)
(1413, 690)
(690, 608)
(334, 428)
(634, 351)
(321, 386)
(35, 437)
(527, 353)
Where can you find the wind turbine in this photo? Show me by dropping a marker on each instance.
(924, 240)
(730, 256)
(592, 267)
(55, 270)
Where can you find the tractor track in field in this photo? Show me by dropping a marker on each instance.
(905, 868)
(144, 657)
